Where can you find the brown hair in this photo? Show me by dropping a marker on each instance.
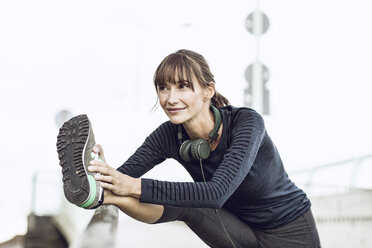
(190, 65)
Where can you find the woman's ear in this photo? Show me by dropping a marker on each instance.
(210, 91)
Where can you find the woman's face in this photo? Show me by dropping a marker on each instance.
(181, 103)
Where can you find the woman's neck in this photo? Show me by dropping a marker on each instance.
(200, 127)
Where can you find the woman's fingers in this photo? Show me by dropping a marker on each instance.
(99, 163)
(97, 148)
(104, 178)
(108, 186)
(100, 167)
(110, 179)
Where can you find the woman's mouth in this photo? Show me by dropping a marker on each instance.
(174, 110)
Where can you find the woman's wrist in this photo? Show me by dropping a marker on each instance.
(136, 188)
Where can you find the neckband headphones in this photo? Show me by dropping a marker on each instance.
(199, 149)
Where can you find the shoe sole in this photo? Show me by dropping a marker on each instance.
(79, 185)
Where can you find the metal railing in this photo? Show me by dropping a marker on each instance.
(101, 230)
(102, 226)
(348, 181)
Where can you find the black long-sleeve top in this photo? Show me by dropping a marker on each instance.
(244, 174)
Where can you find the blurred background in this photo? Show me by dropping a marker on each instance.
(304, 65)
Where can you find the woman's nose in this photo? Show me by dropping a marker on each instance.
(173, 96)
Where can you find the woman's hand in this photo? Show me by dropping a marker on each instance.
(113, 180)
(97, 149)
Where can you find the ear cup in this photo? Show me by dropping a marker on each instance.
(185, 151)
(200, 149)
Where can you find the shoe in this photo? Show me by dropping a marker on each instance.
(75, 142)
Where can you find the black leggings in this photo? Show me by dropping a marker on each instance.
(204, 222)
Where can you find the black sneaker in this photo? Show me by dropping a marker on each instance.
(75, 142)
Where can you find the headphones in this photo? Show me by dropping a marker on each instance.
(199, 149)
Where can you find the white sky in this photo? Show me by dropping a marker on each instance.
(98, 58)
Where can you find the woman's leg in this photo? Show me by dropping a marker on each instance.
(202, 221)
(301, 232)
(148, 213)
(205, 223)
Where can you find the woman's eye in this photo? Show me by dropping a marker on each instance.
(183, 86)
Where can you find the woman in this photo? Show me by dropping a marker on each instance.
(236, 169)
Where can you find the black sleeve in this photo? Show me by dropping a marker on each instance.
(153, 151)
(247, 135)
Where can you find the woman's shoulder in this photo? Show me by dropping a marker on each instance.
(237, 114)
(233, 109)
(243, 122)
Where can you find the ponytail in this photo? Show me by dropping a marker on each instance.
(219, 100)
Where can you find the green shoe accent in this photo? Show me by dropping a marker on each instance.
(92, 185)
